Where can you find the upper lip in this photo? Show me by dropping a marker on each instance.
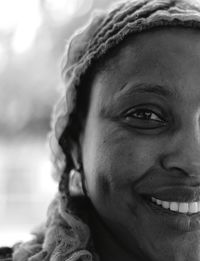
(177, 193)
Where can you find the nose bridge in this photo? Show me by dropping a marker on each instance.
(184, 149)
(191, 145)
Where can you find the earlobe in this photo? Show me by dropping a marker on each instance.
(76, 180)
(75, 183)
(76, 155)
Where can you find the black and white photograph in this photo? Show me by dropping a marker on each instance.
(100, 130)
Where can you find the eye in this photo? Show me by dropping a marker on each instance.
(145, 114)
(146, 117)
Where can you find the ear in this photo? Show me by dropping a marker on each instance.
(75, 183)
(76, 155)
(75, 175)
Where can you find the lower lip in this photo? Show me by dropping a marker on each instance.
(179, 221)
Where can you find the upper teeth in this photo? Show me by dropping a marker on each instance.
(182, 207)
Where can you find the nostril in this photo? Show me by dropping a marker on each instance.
(182, 168)
(185, 160)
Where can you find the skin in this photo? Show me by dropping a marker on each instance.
(138, 140)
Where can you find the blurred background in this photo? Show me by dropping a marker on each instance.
(33, 34)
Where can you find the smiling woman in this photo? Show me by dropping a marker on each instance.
(126, 140)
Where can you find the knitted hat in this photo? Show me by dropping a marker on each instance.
(64, 236)
(106, 30)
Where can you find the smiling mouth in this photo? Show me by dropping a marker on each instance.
(179, 207)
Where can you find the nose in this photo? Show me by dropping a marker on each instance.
(182, 152)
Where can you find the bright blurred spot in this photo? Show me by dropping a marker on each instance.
(13, 11)
(46, 182)
(8, 238)
(28, 23)
(62, 6)
(9, 14)
(62, 10)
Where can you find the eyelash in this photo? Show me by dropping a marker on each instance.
(146, 117)
(149, 112)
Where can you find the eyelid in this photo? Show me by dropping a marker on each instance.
(158, 117)
(149, 107)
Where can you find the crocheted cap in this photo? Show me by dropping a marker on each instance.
(106, 30)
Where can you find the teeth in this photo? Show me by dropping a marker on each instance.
(158, 201)
(193, 207)
(181, 207)
(174, 206)
(165, 204)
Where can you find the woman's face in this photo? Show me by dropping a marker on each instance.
(142, 142)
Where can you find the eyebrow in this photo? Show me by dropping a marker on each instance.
(147, 88)
(131, 89)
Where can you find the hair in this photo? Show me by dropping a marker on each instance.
(90, 46)
(66, 235)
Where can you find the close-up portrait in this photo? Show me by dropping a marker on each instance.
(100, 135)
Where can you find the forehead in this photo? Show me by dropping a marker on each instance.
(154, 44)
(167, 57)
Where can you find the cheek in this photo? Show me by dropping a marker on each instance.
(113, 165)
